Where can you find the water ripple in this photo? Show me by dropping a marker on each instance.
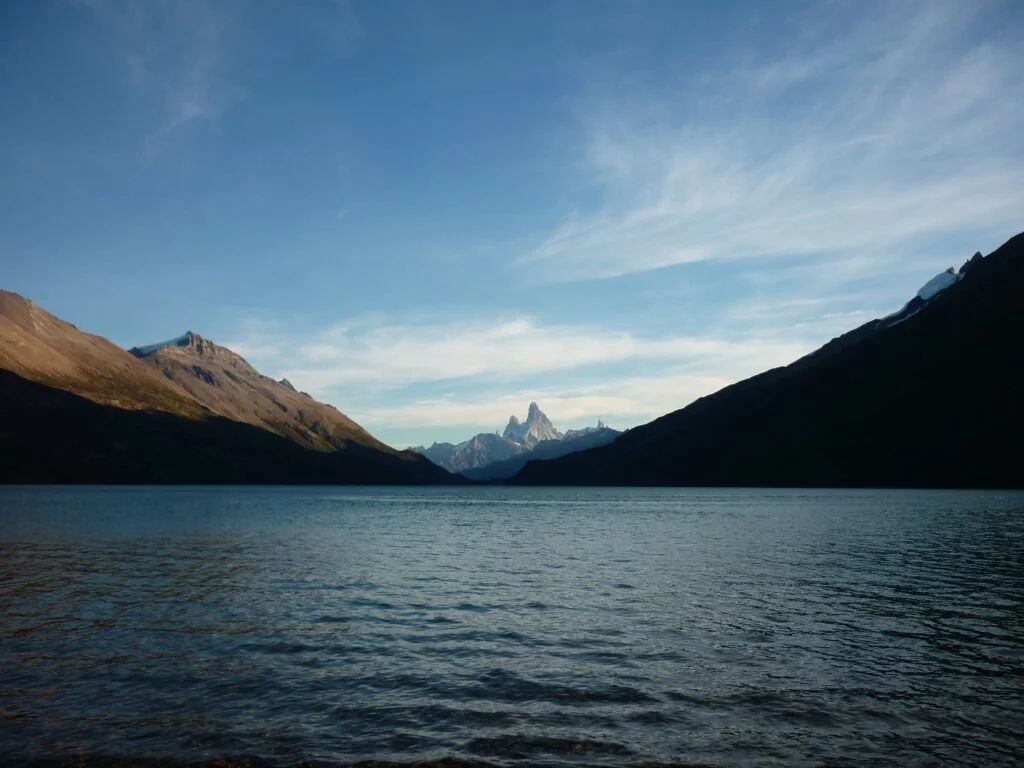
(499, 627)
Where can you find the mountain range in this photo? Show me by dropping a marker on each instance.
(76, 408)
(571, 442)
(490, 456)
(931, 396)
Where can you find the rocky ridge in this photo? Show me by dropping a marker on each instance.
(519, 439)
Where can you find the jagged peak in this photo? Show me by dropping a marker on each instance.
(537, 427)
(194, 344)
(287, 384)
(187, 338)
(536, 416)
(971, 262)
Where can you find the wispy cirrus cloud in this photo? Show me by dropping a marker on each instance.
(381, 353)
(622, 402)
(188, 58)
(175, 53)
(897, 128)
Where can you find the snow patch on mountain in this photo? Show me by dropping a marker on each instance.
(938, 284)
(519, 437)
(928, 291)
(149, 349)
(573, 434)
(537, 427)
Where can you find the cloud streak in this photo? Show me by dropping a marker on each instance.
(385, 354)
(625, 401)
(174, 53)
(406, 375)
(190, 58)
(857, 144)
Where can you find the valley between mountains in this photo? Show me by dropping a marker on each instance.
(929, 396)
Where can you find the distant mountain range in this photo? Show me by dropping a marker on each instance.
(490, 456)
(76, 408)
(931, 396)
(571, 442)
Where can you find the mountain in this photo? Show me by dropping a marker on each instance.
(572, 434)
(487, 448)
(573, 441)
(76, 408)
(509, 451)
(228, 386)
(478, 451)
(928, 397)
(537, 427)
(40, 347)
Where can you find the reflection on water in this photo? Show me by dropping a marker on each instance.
(512, 626)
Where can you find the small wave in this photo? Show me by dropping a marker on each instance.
(526, 746)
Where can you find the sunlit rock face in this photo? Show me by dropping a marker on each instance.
(520, 439)
(537, 427)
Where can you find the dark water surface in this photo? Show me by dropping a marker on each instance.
(513, 626)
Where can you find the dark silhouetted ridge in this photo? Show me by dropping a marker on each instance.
(51, 436)
(930, 397)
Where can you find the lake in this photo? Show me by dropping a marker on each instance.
(512, 626)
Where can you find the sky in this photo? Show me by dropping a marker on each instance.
(430, 214)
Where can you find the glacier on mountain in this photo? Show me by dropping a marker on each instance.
(938, 284)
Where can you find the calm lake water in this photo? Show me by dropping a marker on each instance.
(513, 626)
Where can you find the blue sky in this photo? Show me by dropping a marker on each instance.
(430, 214)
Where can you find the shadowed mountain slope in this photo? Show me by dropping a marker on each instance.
(48, 435)
(542, 451)
(479, 451)
(931, 397)
(76, 408)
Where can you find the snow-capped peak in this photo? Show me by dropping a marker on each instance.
(938, 284)
(149, 349)
(572, 434)
(537, 427)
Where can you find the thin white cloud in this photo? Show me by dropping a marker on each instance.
(853, 147)
(189, 57)
(391, 355)
(621, 401)
(379, 371)
(175, 53)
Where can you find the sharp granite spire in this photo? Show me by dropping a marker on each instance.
(536, 437)
(536, 428)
